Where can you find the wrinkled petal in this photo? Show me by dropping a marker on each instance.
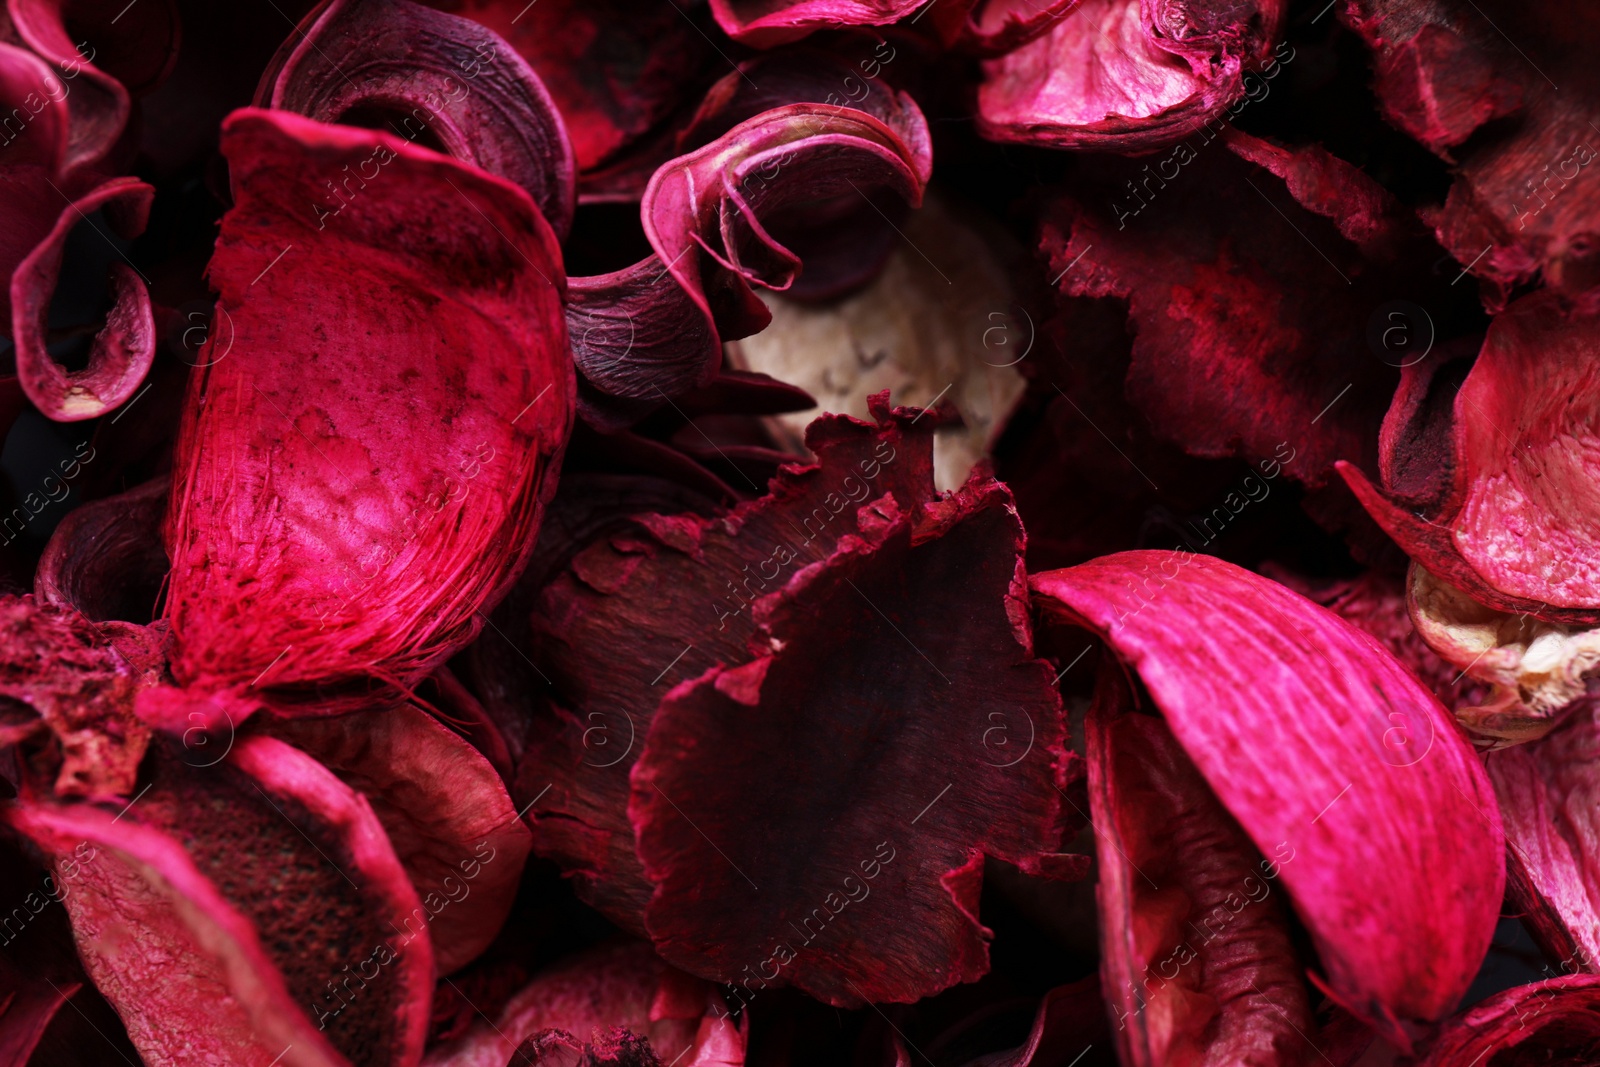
(121, 352)
(618, 985)
(1127, 75)
(1520, 207)
(1314, 738)
(656, 585)
(1176, 874)
(861, 704)
(71, 674)
(260, 897)
(1512, 516)
(1246, 341)
(444, 811)
(995, 27)
(431, 79)
(340, 518)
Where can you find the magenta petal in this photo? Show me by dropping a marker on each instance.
(97, 102)
(1126, 75)
(432, 79)
(1317, 740)
(1549, 798)
(105, 560)
(765, 23)
(122, 350)
(343, 517)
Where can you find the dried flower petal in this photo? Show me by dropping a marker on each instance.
(339, 520)
(1510, 517)
(1546, 1022)
(432, 79)
(765, 23)
(1126, 74)
(1311, 734)
(1171, 861)
(444, 810)
(106, 561)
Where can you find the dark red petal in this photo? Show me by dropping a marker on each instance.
(342, 517)
(1247, 342)
(96, 101)
(444, 810)
(617, 985)
(1506, 517)
(276, 885)
(995, 27)
(1557, 1021)
(1127, 75)
(1548, 794)
(121, 352)
(616, 69)
(105, 560)
(1520, 207)
(674, 590)
(863, 712)
(43, 140)
(765, 23)
(1177, 874)
(1320, 744)
(431, 79)
(655, 329)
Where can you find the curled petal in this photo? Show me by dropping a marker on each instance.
(280, 898)
(105, 560)
(432, 79)
(1126, 75)
(28, 82)
(1556, 1021)
(994, 27)
(656, 328)
(444, 811)
(623, 985)
(764, 23)
(339, 519)
(1196, 956)
(1320, 743)
(123, 349)
(1508, 514)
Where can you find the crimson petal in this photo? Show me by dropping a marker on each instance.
(444, 810)
(341, 518)
(1556, 1021)
(765, 23)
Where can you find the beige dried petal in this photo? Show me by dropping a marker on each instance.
(1536, 670)
(947, 330)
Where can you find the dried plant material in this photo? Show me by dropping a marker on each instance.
(952, 333)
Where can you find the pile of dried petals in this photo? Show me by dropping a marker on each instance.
(772, 533)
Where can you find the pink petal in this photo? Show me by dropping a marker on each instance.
(1316, 740)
